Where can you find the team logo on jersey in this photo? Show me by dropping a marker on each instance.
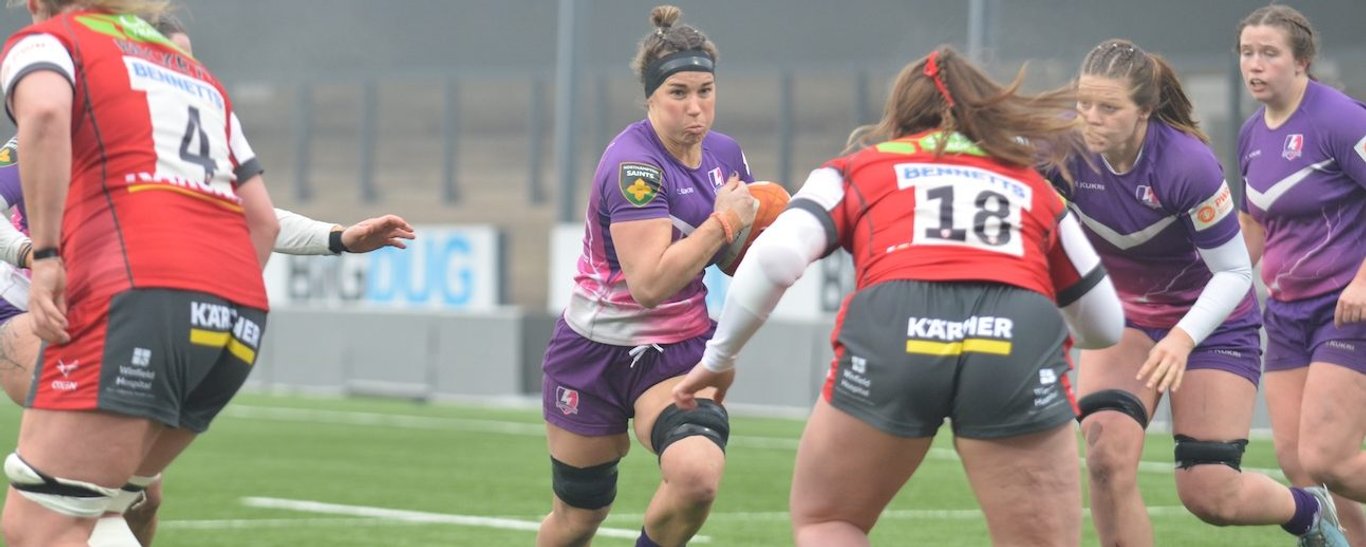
(1294, 146)
(567, 400)
(9, 155)
(639, 182)
(1147, 196)
(717, 178)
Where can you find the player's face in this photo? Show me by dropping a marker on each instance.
(1112, 118)
(683, 108)
(1267, 62)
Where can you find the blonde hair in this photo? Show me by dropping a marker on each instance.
(1010, 126)
(147, 9)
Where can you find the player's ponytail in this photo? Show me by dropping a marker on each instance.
(945, 91)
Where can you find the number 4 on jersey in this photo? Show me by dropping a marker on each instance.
(194, 134)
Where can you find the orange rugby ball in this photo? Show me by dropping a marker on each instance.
(773, 199)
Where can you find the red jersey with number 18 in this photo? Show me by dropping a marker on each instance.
(155, 161)
(962, 216)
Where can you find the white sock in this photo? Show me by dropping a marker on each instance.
(113, 531)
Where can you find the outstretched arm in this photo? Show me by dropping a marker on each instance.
(300, 235)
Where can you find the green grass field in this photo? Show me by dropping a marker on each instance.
(296, 471)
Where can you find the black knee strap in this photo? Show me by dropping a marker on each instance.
(1114, 399)
(708, 420)
(1191, 452)
(584, 487)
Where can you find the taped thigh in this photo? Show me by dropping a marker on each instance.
(65, 496)
(674, 424)
(1191, 452)
(1117, 400)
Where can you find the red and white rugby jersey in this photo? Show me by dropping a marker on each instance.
(156, 157)
(905, 214)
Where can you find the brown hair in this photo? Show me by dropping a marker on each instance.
(1303, 44)
(1015, 128)
(1153, 84)
(668, 37)
(146, 9)
(169, 24)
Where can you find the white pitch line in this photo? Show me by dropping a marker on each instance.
(424, 517)
(401, 421)
(899, 514)
(244, 524)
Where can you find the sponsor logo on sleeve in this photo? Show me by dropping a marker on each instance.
(9, 154)
(639, 182)
(1214, 209)
(1294, 146)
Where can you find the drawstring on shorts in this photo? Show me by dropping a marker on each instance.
(639, 351)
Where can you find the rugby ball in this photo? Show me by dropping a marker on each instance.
(772, 199)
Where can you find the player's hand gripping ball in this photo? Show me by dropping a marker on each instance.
(772, 198)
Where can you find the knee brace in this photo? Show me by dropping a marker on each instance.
(1191, 452)
(131, 494)
(585, 487)
(674, 424)
(1113, 399)
(69, 497)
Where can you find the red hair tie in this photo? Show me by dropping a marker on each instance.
(932, 70)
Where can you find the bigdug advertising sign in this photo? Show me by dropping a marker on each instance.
(446, 267)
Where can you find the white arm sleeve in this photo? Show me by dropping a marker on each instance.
(1096, 318)
(1232, 278)
(300, 235)
(773, 263)
(11, 240)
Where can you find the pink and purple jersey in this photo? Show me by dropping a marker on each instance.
(1147, 224)
(637, 179)
(1306, 184)
(13, 197)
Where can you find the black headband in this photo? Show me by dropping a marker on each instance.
(694, 60)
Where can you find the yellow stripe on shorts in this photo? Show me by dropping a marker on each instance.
(211, 338)
(242, 351)
(970, 345)
(217, 339)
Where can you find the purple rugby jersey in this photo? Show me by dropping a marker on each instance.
(1147, 223)
(637, 179)
(14, 197)
(1306, 184)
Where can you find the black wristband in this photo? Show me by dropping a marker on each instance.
(46, 252)
(334, 242)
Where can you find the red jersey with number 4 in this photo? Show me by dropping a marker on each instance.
(963, 216)
(155, 161)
